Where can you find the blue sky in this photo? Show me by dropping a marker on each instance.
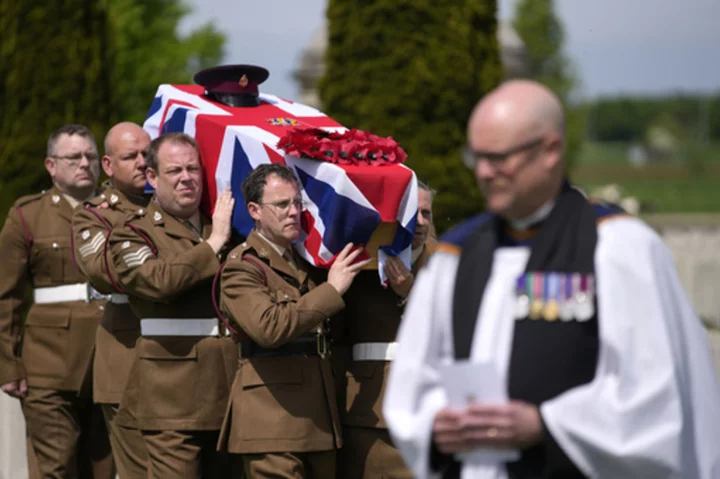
(618, 46)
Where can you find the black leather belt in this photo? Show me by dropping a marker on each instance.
(302, 346)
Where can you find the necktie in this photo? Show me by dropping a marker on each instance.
(288, 256)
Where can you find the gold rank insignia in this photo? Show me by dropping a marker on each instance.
(243, 81)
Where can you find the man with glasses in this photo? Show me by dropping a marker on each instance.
(164, 258)
(283, 417)
(549, 337)
(45, 369)
(124, 163)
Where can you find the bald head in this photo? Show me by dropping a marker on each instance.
(520, 107)
(517, 135)
(124, 160)
(117, 132)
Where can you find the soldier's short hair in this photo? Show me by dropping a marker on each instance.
(151, 159)
(253, 186)
(70, 130)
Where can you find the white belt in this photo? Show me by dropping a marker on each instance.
(66, 292)
(374, 351)
(179, 327)
(117, 298)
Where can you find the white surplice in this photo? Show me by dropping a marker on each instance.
(653, 408)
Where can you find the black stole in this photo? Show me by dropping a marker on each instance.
(547, 358)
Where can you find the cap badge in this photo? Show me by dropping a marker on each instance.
(282, 121)
(157, 216)
(85, 234)
(243, 81)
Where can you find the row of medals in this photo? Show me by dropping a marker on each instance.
(553, 296)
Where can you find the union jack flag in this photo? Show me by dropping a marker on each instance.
(343, 203)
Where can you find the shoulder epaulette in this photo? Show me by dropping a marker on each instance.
(605, 211)
(241, 250)
(136, 215)
(453, 240)
(97, 200)
(24, 200)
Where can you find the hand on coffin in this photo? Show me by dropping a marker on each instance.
(343, 271)
(221, 221)
(401, 279)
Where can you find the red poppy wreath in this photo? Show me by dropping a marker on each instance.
(351, 147)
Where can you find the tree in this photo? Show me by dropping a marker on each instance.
(414, 70)
(148, 51)
(544, 37)
(53, 72)
(89, 62)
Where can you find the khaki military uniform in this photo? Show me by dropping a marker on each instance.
(120, 328)
(180, 380)
(282, 415)
(371, 323)
(58, 337)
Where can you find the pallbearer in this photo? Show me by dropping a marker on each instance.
(372, 319)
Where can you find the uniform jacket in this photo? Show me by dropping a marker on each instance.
(120, 328)
(58, 337)
(176, 382)
(373, 315)
(279, 403)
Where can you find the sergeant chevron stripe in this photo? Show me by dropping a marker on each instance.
(93, 246)
(137, 258)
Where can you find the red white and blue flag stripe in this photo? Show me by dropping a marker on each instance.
(343, 203)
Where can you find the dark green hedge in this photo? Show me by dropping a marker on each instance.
(413, 70)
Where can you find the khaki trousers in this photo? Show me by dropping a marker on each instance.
(185, 455)
(368, 453)
(128, 446)
(290, 465)
(67, 434)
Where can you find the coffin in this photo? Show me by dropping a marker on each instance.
(374, 206)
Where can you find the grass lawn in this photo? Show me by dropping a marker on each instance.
(692, 185)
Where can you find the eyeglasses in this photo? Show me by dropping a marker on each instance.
(472, 157)
(75, 159)
(283, 206)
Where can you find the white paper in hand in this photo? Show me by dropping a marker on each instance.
(466, 382)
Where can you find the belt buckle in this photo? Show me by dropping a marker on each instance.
(321, 343)
(93, 294)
